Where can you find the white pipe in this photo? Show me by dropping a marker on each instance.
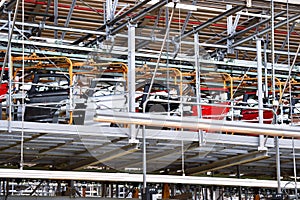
(193, 123)
(126, 177)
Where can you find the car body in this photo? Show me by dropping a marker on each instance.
(250, 99)
(47, 98)
(215, 103)
(161, 99)
(103, 94)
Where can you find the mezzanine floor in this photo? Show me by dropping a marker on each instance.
(169, 152)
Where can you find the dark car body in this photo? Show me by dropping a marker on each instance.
(158, 92)
(47, 95)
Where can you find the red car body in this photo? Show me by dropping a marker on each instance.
(4, 85)
(251, 115)
(219, 106)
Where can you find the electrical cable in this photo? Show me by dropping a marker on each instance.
(291, 105)
(288, 78)
(181, 103)
(161, 50)
(22, 100)
(9, 40)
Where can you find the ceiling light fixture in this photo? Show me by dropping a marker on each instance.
(178, 5)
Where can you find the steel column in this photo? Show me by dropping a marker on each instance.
(229, 30)
(55, 17)
(273, 46)
(266, 69)
(144, 161)
(131, 78)
(198, 85)
(278, 172)
(260, 89)
(108, 12)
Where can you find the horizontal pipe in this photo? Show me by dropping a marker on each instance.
(194, 123)
(43, 26)
(133, 178)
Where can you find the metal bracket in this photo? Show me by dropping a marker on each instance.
(42, 25)
(176, 47)
(249, 3)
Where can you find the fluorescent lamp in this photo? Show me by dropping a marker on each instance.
(178, 5)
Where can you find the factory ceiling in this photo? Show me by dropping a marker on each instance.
(226, 29)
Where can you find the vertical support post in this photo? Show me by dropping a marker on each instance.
(108, 10)
(229, 30)
(144, 196)
(274, 94)
(266, 69)
(260, 89)
(239, 176)
(83, 191)
(273, 49)
(278, 165)
(259, 81)
(213, 193)
(55, 17)
(72, 189)
(103, 190)
(117, 190)
(131, 78)
(166, 191)
(249, 3)
(195, 192)
(135, 193)
(173, 189)
(111, 190)
(198, 85)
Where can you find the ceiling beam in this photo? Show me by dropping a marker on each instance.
(152, 158)
(209, 22)
(104, 157)
(249, 28)
(68, 18)
(228, 162)
(284, 22)
(132, 20)
(287, 39)
(36, 9)
(39, 33)
(112, 22)
(24, 141)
